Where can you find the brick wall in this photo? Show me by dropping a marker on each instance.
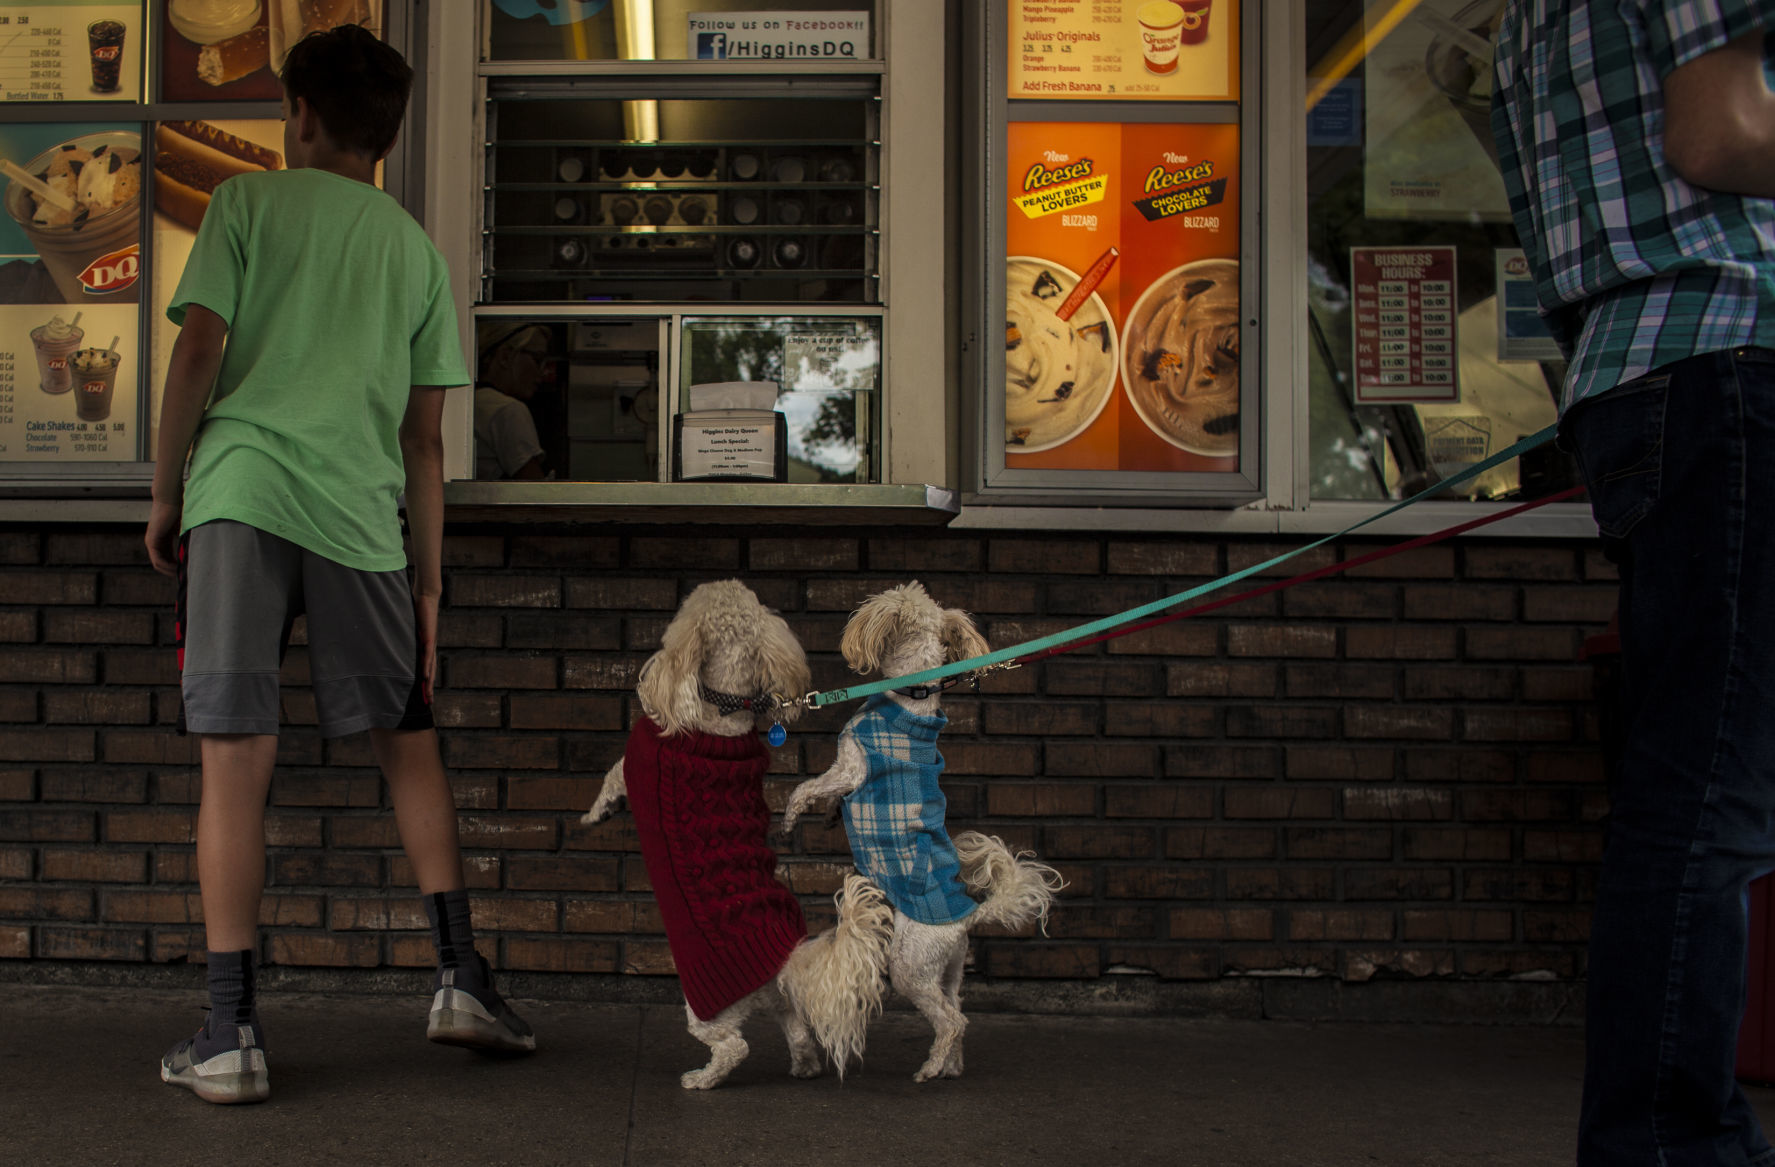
(1386, 775)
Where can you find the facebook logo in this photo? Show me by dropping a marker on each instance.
(711, 46)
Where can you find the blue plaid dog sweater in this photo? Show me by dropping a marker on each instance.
(895, 818)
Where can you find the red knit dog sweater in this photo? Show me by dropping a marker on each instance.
(699, 808)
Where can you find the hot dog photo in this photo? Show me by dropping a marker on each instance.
(231, 50)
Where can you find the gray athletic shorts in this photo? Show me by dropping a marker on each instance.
(240, 590)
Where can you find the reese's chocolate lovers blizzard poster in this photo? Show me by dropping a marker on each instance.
(1108, 50)
(1122, 297)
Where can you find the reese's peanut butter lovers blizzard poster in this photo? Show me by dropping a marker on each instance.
(1122, 297)
(1125, 50)
(70, 282)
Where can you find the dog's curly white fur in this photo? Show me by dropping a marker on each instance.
(900, 632)
(830, 987)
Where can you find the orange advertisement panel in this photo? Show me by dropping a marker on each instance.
(1122, 297)
(1124, 50)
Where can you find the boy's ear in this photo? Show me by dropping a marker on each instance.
(307, 121)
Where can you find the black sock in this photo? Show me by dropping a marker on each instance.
(232, 1004)
(454, 935)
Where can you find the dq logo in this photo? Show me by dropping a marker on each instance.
(58, 363)
(113, 272)
(107, 52)
(94, 387)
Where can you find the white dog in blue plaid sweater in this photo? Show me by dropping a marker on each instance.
(886, 772)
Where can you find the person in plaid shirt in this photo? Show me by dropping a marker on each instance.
(1637, 143)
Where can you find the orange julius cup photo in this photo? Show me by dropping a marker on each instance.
(1161, 32)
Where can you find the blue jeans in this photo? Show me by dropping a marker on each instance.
(1681, 470)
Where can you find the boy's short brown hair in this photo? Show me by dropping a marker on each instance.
(357, 85)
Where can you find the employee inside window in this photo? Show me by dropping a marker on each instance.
(514, 365)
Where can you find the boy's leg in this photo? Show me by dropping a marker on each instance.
(231, 836)
(466, 1008)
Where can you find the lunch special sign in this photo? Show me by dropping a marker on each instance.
(1122, 297)
(1092, 50)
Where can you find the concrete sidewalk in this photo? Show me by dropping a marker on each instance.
(355, 1081)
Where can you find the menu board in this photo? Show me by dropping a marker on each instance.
(231, 50)
(1114, 50)
(74, 50)
(1403, 314)
(70, 268)
(1122, 307)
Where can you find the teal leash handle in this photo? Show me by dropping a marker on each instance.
(1017, 651)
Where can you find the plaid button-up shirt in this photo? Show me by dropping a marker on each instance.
(1634, 267)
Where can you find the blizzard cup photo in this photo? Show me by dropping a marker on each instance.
(106, 40)
(54, 343)
(93, 251)
(1161, 31)
(95, 379)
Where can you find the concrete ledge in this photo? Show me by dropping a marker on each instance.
(1230, 998)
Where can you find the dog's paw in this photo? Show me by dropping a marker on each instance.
(810, 1069)
(703, 1079)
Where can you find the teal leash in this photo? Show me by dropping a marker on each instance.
(1005, 657)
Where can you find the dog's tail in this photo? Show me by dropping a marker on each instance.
(835, 980)
(1017, 889)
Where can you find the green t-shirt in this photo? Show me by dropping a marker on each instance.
(336, 305)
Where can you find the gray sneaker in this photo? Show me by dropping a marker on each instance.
(227, 1076)
(478, 1018)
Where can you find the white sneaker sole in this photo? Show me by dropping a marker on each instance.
(458, 1019)
(235, 1077)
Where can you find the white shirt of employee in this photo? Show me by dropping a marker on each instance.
(506, 445)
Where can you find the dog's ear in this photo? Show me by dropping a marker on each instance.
(670, 685)
(961, 640)
(782, 665)
(867, 632)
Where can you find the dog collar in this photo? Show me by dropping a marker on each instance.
(920, 692)
(726, 703)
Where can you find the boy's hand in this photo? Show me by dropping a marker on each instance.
(163, 538)
(425, 621)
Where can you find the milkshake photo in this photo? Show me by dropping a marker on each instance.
(54, 342)
(95, 378)
(105, 38)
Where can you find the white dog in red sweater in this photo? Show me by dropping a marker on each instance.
(693, 775)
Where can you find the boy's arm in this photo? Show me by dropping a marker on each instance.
(422, 452)
(191, 374)
(1719, 120)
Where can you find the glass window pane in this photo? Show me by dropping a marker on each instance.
(1425, 357)
(677, 30)
(827, 370)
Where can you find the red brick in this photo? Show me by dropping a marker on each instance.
(466, 710)
(562, 955)
(97, 626)
(376, 914)
(655, 594)
(95, 866)
(19, 547)
(1100, 760)
(48, 666)
(505, 913)
(1398, 721)
(1338, 843)
(1464, 602)
(1353, 764)
(474, 551)
(1585, 766)
(1097, 843)
(1169, 962)
(1043, 556)
(143, 589)
(1222, 924)
(326, 789)
(1516, 806)
(1062, 961)
(1168, 882)
(560, 630)
(15, 943)
(1361, 965)
(612, 672)
(1028, 799)
(1348, 682)
(504, 591)
(295, 830)
(129, 944)
(1456, 924)
(108, 785)
(1520, 562)
(1532, 885)
(1419, 563)
(492, 752)
(1516, 724)
(46, 826)
(1163, 719)
(1279, 802)
(1399, 642)
(1169, 801)
(1571, 847)
(1467, 683)
(1398, 883)
(18, 705)
(479, 872)
(1281, 721)
(1337, 600)
(1164, 557)
(1053, 718)
(501, 672)
(42, 903)
(576, 552)
(1518, 965)
(1124, 922)
(1184, 639)
(1458, 765)
(1553, 683)
(1300, 962)
(94, 547)
(326, 951)
(1281, 640)
(1340, 924)
(1222, 762)
(106, 707)
(1240, 556)
(1077, 676)
(508, 832)
(18, 627)
(574, 794)
(1217, 679)
(611, 916)
(526, 873)
(158, 666)
(989, 759)
(1220, 843)
(470, 630)
(16, 862)
(1281, 883)
(150, 826)
(1521, 643)
(50, 587)
(18, 786)
(1455, 843)
(1565, 605)
(326, 869)
(154, 748)
(1543, 926)
(567, 711)
(1397, 803)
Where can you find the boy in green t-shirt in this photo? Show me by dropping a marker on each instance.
(321, 315)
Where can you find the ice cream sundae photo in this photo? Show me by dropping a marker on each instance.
(1058, 372)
